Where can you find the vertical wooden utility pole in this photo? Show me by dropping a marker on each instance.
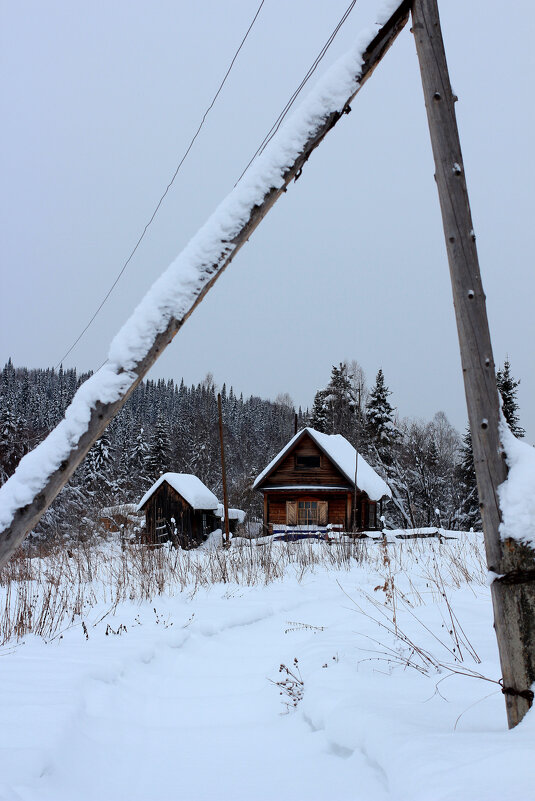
(513, 591)
(355, 521)
(223, 470)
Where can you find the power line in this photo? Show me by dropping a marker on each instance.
(169, 185)
(278, 122)
(269, 136)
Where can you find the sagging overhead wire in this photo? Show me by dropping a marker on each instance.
(169, 185)
(269, 136)
(278, 122)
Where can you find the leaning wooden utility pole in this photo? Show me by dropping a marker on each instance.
(223, 470)
(513, 589)
(29, 493)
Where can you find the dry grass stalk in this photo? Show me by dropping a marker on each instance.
(43, 591)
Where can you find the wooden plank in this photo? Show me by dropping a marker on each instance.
(26, 517)
(266, 511)
(514, 593)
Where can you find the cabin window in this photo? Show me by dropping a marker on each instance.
(372, 515)
(307, 513)
(307, 462)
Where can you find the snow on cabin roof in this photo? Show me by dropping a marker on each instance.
(190, 487)
(343, 455)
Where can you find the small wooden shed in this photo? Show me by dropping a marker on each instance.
(119, 518)
(310, 485)
(236, 518)
(179, 508)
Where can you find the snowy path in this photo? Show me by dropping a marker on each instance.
(186, 712)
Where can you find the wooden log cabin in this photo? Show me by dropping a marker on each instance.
(310, 484)
(179, 508)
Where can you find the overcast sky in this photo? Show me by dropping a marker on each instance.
(99, 101)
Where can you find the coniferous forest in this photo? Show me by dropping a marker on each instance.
(166, 426)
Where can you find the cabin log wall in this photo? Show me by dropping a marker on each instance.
(339, 506)
(286, 473)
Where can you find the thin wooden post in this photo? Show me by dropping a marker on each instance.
(355, 526)
(513, 589)
(223, 470)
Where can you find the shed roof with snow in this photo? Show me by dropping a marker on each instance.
(343, 455)
(189, 487)
(233, 514)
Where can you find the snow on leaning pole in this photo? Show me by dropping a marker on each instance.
(43, 472)
(509, 555)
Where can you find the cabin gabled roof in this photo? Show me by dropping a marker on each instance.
(188, 486)
(343, 455)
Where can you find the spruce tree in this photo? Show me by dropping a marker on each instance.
(341, 403)
(508, 389)
(335, 407)
(138, 461)
(159, 456)
(12, 441)
(380, 419)
(318, 415)
(469, 506)
(98, 479)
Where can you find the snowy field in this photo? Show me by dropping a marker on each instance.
(304, 671)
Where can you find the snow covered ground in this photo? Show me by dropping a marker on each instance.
(177, 696)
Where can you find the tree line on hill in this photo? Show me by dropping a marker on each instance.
(168, 426)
